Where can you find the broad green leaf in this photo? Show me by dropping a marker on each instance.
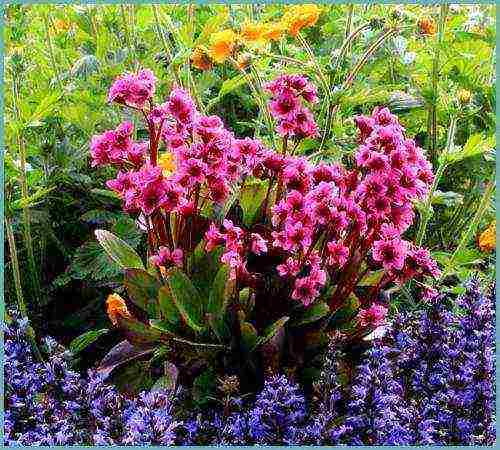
(137, 332)
(187, 299)
(252, 195)
(166, 328)
(248, 336)
(84, 340)
(477, 144)
(270, 331)
(168, 309)
(118, 250)
(142, 289)
(220, 293)
(312, 314)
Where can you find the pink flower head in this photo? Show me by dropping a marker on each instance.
(372, 317)
(390, 252)
(167, 258)
(195, 170)
(290, 268)
(133, 89)
(257, 244)
(305, 290)
(181, 106)
(337, 253)
(172, 196)
(121, 183)
(297, 236)
(383, 116)
(137, 152)
(213, 237)
(208, 127)
(159, 113)
(365, 126)
(234, 234)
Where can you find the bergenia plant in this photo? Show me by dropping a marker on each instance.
(255, 254)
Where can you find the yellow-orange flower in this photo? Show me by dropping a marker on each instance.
(427, 26)
(116, 308)
(300, 16)
(222, 45)
(252, 33)
(487, 239)
(167, 163)
(61, 25)
(200, 59)
(273, 31)
(464, 96)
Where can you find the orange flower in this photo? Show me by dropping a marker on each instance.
(61, 25)
(487, 239)
(273, 31)
(222, 45)
(427, 26)
(167, 163)
(252, 33)
(300, 16)
(116, 308)
(200, 59)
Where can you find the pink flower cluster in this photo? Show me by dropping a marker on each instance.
(117, 147)
(238, 243)
(293, 118)
(133, 89)
(330, 217)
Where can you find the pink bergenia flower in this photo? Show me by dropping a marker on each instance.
(257, 244)
(167, 258)
(391, 253)
(213, 237)
(133, 89)
(373, 317)
(181, 106)
(305, 290)
(337, 254)
(289, 268)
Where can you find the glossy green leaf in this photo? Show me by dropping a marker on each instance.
(187, 299)
(84, 340)
(311, 314)
(270, 331)
(252, 195)
(248, 336)
(142, 289)
(168, 309)
(119, 251)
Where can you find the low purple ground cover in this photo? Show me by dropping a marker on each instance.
(429, 380)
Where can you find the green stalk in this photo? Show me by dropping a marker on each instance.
(466, 235)
(17, 283)
(16, 273)
(127, 30)
(427, 211)
(432, 120)
(55, 68)
(26, 216)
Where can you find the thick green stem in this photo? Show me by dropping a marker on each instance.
(26, 216)
(16, 273)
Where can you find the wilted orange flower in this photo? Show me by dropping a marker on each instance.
(273, 31)
(222, 45)
(427, 26)
(300, 16)
(487, 239)
(116, 308)
(200, 59)
(243, 61)
(167, 163)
